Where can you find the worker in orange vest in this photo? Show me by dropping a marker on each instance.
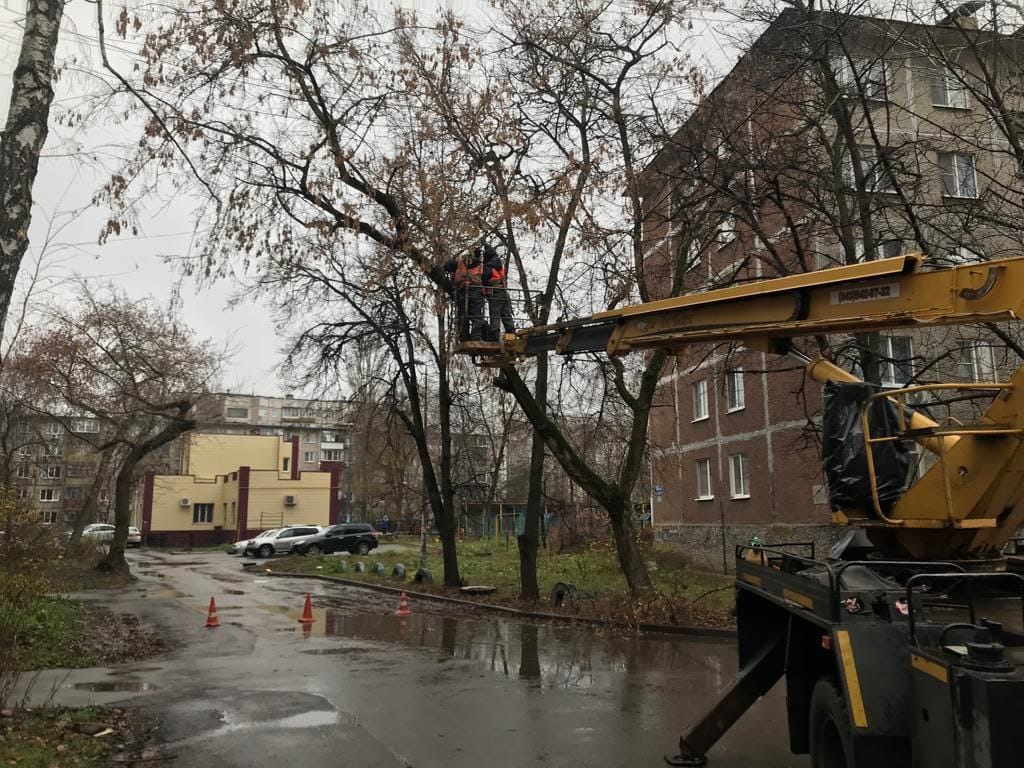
(468, 278)
(499, 305)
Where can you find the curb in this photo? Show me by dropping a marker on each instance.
(668, 629)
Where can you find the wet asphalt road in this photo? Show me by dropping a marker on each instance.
(363, 688)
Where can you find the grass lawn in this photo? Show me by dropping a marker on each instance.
(45, 738)
(594, 571)
(52, 637)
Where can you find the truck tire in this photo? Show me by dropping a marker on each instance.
(831, 731)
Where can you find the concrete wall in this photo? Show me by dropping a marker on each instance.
(211, 455)
(702, 544)
(169, 490)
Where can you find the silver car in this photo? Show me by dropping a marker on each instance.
(98, 532)
(239, 547)
(282, 540)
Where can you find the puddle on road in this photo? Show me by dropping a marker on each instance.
(543, 656)
(108, 686)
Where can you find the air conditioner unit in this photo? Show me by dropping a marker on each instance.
(185, 502)
(289, 501)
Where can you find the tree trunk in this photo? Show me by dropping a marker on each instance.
(631, 561)
(23, 138)
(88, 512)
(529, 540)
(447, 523)
(115, 561)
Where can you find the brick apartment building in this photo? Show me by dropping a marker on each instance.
(831, 131)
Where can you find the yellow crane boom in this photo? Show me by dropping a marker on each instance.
(972, 500)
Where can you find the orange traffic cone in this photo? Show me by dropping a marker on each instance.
(307, 612)
(403, 606)
(211, 617)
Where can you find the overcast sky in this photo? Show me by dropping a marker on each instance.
(65, 227)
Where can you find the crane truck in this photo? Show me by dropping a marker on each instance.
(905, 647)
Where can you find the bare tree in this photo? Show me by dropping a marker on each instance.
(134, 368)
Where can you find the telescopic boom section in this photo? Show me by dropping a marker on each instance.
(888, 293)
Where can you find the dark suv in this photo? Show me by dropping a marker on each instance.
(357, 538)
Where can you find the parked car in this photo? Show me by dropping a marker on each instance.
(239, 547)
(357, 538)
(134, 537)
(98, 532)
(282, 540)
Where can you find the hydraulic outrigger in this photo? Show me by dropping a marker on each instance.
(881, 668)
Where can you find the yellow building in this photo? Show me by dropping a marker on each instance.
(232, 486)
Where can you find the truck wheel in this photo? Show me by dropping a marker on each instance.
(831, 731)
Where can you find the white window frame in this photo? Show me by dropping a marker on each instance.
(328, 454)
(981, 359)
(228, 409)
(889, 367)
(24, 471)
(876, 176)
(868, 69)
(735, 391)
(85, 426)
(954, 178)
(703, 468)
(50, 516)
(49, 495)
(202, 513)
(309, 457)
(727, 228)
(22, 493)
(292, 412)
(953, 93)
(54, 429)
(52, 472)
(309, 438)
(739, 476)
(699, 391)
(25, 451)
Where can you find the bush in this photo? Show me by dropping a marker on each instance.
(25, 544)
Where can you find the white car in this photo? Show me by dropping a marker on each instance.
(98, 532)
(282, 540)
(134, 537)
(239, 547)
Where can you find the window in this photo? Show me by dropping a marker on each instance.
(23, 493)
(309, 457)
(310, 437)
(52, 472)
(235, 412)
(947, 90)
(977, 362)
(55, 449)
(896, 366)
(73, 493)
(49, 516)
(870, 73)
(284, 464)
(85, 426)
(54, 429)
(872, 162)
(704, 480)
(291, 412)
(735, 396)
(958, 175)
(333, 454)
(700, 400)
(961, 254)
(333, 436)
(25, 451)
(727, 228)
(49, 494)
(739, 476)
(202, 513)
(24, 470)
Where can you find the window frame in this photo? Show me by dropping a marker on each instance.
(326, 454)
(700, 386)
(743, 461)
(950, 84)
(977, 366)
(848, 69)
(24, 472)
(199, 510)
(735, 396)
(703, 469)
(890, 364)
(953, 174)
(52, 472)
(306, 457)
(53, 493)
(229, 408)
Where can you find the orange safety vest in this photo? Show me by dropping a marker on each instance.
(466, 275)
(497, 276)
